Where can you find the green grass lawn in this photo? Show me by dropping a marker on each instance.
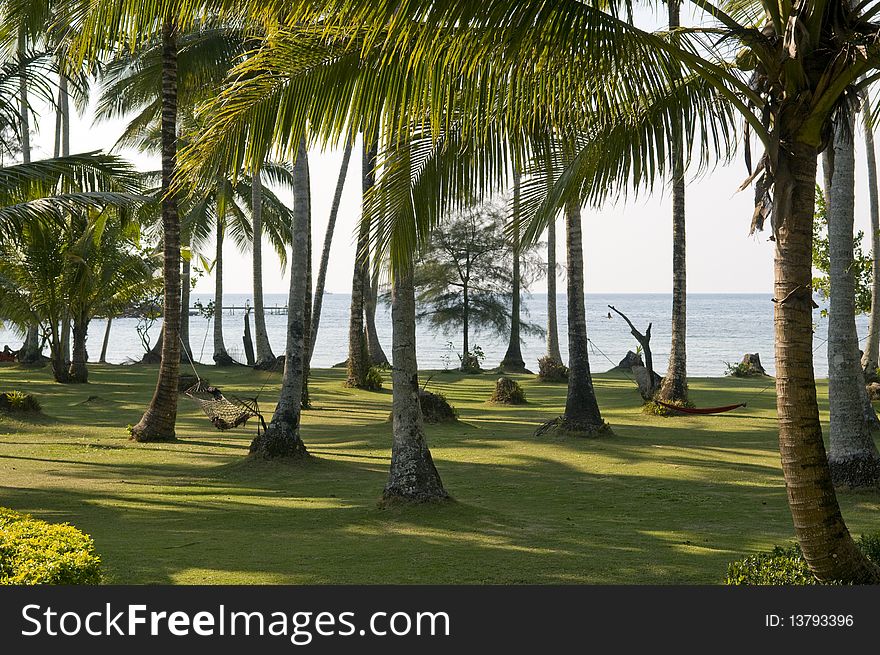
(664, 500)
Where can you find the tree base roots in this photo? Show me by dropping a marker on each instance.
(223, 359)
(859, 472)
(144, 433)
(270, 364)
(278, 442)
(654, 408)
(393, 497)
(564, 427)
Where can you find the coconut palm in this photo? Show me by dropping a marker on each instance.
(513, 360)
(552, 321)
(853, 457)
(871, 356)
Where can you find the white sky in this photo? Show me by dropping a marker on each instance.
(627, 245)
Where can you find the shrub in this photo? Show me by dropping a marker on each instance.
(373, 380)
(508, 392)
(786, 565)
(18, 402)
(740, 370)
(187, 380)
(472, 360)
(35, 552)
(552, 370)
(435, 407)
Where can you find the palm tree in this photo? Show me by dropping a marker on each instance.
(371, 278)
(282, 438)
(871, 356)
(513, 360)
(552, 323)
(265, 358)
(328, 241)
(853, 457)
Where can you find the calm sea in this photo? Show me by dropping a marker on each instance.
(721, 328)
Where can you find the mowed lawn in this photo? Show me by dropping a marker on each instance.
(663, 501)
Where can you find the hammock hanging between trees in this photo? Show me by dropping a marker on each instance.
(225, 413)
(700, 410)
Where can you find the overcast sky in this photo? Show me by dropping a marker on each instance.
(627, 245)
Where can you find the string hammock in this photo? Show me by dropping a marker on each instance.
(224, 412)
(700, 410)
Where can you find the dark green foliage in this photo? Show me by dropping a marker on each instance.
(187, 380)
(472, 361)
(822, 260)
(373, 379)
(785, 565)
(18, 402)
(741, 370)
(552, 370)
(35, 552)
(508, 392)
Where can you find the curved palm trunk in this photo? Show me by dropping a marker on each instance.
(79, 372)
(106, 342)
(852, 456)
(413, 476)
(552, 321)
(358, 354)
(265, 356)
(513, 360)
(582, 415)
(282, 438)
(328, 241)
(826, 543)
(185, 289)
(371, 277)
(870, 361)
(221, 357)
(157, 423)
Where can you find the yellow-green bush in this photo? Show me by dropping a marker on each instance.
(36, 552)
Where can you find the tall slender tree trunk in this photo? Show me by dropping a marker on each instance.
(265, 357)
(870, 362)
(63, 145)
(328, 242)
(65, 337)
(106, 342)
(157, 423)
(582, 416)
(675, 388)
(826, 543)
(60, 368)
(358, 354)
(513, 360)
(371, 276)
(552, 320)
(282, 438)
(413, 476)
(307, 307)
(465, 327)
(853, 456)
(79, 372)
(221, 357)
(185, 290)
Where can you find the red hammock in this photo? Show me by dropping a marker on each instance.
(701, 410)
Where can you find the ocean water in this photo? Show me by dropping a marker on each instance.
(721, 328)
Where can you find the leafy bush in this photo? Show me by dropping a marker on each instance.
(786, 565)
(740, 370)
(373, 380)
(18, 402)
(508, 392)
(435, 407)
(552, 370)
(35, 552)
(472, 360)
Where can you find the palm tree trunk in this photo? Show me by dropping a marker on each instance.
(157, 423)
(221, 357)
(826, 543)
(465, 328)
(60, 369)
(358, 354)
(371, 275)
(582, 416)
(265, 356)
(552, 321)
(328, 241)
(282, 438)
(513, 360)
(413, 476)
(853, 456)
(106, 342)
(185, 289)
(870, 362)
(307, 306)
(65, 337)
(79, 372)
